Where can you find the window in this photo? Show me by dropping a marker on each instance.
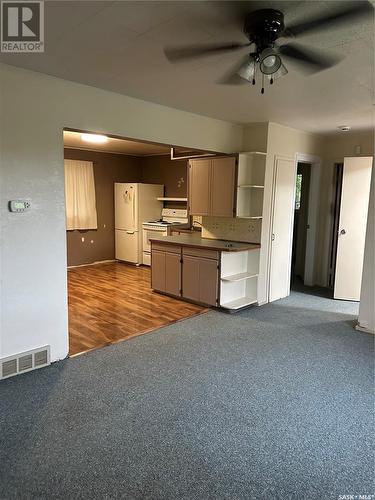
(298, 192)
(80, 199)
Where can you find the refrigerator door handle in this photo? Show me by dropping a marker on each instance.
(133, 208)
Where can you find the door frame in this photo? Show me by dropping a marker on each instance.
(312, 213)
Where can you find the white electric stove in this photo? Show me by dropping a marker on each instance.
(170, 217)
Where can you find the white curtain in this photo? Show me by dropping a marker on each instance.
(80, 199)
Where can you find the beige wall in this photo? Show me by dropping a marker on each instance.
(35, 109)
(366, 318)
(163, 170)
(109, 168)
(99, 245)
(287, 142)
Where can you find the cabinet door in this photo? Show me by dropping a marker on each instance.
(200, 280)
(208, 281)
(173, 273)
(222, 187)
(199, 187)
(190, 278)
(158, 270)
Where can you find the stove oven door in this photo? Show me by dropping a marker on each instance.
(147, 234)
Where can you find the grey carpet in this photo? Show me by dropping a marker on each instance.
(274, 402)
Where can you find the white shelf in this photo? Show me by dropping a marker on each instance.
(238, 303)
(239, 277)
(256, 217)
(250, 186)
(161, 198)
(256, 153)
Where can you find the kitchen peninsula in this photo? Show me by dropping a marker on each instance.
(206, 271)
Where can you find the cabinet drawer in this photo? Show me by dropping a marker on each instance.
(201, 252)
(161, 247)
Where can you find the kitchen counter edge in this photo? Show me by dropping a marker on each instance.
(193, 242)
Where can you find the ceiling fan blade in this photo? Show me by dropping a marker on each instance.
(176, 54)
(231, 76)
(351, 12)
(312, 60)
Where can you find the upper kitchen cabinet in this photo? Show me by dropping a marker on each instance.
(200, 173)
(212, 186)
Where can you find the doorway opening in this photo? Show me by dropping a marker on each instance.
(301, 242)
(119, 193)
(300, 224)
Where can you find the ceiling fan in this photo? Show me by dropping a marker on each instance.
(263, 28)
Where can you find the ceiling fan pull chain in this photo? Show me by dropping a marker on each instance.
(271, 81)
(262, 89)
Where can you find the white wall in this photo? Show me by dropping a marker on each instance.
(34, 110)
(366, 318)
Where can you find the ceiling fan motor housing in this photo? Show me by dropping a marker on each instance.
(263, 27)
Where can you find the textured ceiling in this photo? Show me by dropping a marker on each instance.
(118, 46)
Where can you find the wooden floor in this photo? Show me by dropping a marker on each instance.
(112, 302)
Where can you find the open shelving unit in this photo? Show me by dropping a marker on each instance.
(250, 185)
(239, 279)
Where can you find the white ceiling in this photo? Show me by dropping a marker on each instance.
(118, 46)
(114, 145)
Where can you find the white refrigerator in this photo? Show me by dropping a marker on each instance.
(135, 203)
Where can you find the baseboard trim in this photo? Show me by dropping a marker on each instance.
(363, 329)
(93, 263)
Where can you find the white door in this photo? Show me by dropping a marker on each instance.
(282, 228)
(126, 206)
(352, 227)
(127, 246)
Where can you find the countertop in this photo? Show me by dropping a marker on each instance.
(195, 240)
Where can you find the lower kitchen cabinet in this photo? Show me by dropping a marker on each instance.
(173, 273)
(166, 270)
(158, 270)
(200, 279)
(206, 276)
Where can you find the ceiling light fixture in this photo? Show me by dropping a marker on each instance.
(94, 138)
(267, 63)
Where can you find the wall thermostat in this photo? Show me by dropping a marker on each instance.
(19, 206)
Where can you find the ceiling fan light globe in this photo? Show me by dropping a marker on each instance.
(247, 70)
(270, 62)
(282, 71)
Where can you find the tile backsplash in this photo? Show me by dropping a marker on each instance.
(227, 228)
